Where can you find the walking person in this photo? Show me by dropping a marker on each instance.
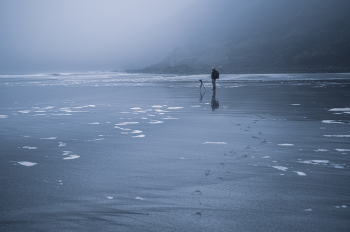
(214, 76)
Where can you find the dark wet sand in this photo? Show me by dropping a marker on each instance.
(256, 163)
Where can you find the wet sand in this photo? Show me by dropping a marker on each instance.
(81, 155)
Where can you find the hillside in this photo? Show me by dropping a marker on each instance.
(267, 36)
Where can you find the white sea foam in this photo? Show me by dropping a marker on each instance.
(126, 123)
(281, 168)
(124, 129)
(170, 118)
(61, 114)
(331, 121)
(338, 166)
(71, 157)
(26, 163)
(155, 122)
(161, 111)
(140, 198)
(144, 118)
(4, 116)
(342, 150)
(24, 111)
(300, 173)
(110, 198)
(49, 107)
(174, 108)
(67, 152)
(322, 150)
(139, 136)
(135, 108)
(49, 138)
(295, 104)
(285, 144)
(196, 106)
(61, 144)
(157, 106)
(266, 157)
(338, 136)
(340, 109)
(30, 148)
(94, 123)
(136, 132)
(308, 210)
(214, 143)
(315, 162)
(68, 110)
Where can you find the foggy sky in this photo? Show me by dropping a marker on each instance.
(85, 35)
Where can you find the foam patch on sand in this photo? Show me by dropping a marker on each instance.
(170, 118)
(155, 122)
(4, 116)
(124, 129)
(49, 138)
(342, 150)
(68, 110)
(30, 148)
(67, 152)
(338, 136)
(285, 144)
(342, 206)
(321, 150)
(315, 162)
(161, 111)
(61, 144)
(70, 157)
(139, 136)
(300, 173)
(26, 163)
(281, 168)
(174, 108)
(332, 121)
(340, 109)
(126, 123)
(214, 143)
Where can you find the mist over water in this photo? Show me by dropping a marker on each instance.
(56, 36)
(233, 35)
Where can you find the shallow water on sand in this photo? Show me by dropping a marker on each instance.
(142, 152)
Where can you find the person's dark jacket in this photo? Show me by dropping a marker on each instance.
(214, 74)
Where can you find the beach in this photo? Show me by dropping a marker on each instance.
(143, 152)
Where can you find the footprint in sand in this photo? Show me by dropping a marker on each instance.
(207, 173)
